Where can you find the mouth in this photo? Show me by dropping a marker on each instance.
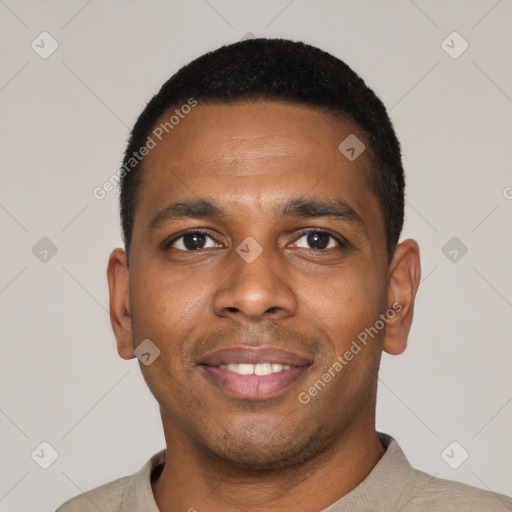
(253, 373)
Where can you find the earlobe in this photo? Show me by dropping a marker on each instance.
(120, 309)
(403, 282)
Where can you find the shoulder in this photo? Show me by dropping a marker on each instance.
(107, 497)
(395, 485)
(430, 493)
(132, 492)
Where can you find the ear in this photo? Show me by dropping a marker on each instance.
(120, 314)
(403, 280)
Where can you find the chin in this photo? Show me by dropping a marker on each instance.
(268, 453)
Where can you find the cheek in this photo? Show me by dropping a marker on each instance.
(166, 312)
(163, 302)
(350, 300)
(348, 306)
(168, 307)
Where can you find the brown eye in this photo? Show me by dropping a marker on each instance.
(191, 241)
(320, 240)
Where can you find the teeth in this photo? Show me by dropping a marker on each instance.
(263, 369)
(245, 369)
(254, 369)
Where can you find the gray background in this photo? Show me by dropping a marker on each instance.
(65, 121)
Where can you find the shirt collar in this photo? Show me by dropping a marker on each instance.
(379, 491)
(138, 495)
(382, 489)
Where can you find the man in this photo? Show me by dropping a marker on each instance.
(262, 201)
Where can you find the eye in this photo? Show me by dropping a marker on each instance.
(320, 240)
(196, 239)
(192, 240)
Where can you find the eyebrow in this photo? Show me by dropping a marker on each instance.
(301, 208)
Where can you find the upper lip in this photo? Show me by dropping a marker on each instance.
(254, 355)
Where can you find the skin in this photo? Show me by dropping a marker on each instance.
(275, 453)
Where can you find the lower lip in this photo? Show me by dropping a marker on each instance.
(255, 387)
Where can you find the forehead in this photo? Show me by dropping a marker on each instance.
(252, 130)
(253, 154)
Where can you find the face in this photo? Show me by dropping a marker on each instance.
(260, 282)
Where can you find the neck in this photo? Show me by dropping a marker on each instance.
(191, 480)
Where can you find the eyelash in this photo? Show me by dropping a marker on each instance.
(341, 243)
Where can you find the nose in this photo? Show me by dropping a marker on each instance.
(255, 290)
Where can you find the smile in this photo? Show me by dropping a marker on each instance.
(253, 373)
(254, 369)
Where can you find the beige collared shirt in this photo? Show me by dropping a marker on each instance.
(393, 485)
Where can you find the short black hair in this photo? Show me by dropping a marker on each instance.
(284, 70)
